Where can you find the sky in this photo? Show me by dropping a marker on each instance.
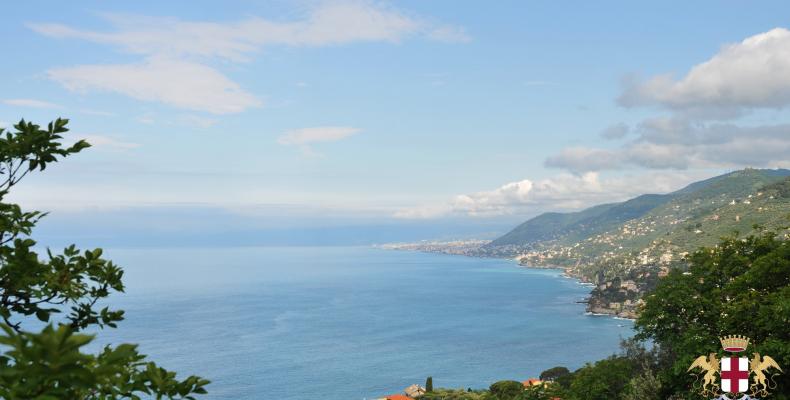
(337, 122)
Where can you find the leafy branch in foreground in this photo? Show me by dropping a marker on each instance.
(49, 364)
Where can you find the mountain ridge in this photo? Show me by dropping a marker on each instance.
(624, 254)
(607, 216)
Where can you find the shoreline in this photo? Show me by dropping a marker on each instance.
(565, 273)
(589, 309)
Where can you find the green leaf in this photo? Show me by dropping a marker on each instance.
(42, 315)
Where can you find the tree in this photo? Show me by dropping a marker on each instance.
(49, 364)
(429, 384)
(507, 390)
(644, 386)
(739, 287)
(606, 379)
(457, 394)
(549, 391)
(552, 374)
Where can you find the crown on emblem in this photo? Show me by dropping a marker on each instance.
(734, 343)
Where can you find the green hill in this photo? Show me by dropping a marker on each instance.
(625, 247)
(661, 212)
(696, 216)
(549, 226)
(578, 225)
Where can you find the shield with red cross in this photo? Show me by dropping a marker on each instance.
(734, 374)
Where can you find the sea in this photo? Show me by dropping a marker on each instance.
(298, 323)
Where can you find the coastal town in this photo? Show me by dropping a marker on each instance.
(470, 247)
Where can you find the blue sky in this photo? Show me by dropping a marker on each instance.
(307, 116)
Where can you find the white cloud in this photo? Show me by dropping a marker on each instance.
(30, 103)
(676, 143)
(175, 52)
(308, 136)
(182, 84)
(583, 159)
(616, 131)
(561, 192)
(329, 23)
(754, 73)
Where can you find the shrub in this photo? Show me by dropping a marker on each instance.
(507, 390)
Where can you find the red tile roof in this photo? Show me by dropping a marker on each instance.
(398, 397)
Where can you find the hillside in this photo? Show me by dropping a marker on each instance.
(625, 247)
(729, 203)
(569, 228)
(577, 225)
(548, 226)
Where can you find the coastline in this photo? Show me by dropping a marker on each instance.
(593, 307)
(461, 248)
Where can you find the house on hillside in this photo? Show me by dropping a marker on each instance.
(629, 285)
(396, 397)
(414, 391)
(532, 382)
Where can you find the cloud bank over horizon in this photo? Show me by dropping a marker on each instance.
(564, 192)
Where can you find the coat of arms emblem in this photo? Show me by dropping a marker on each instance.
(739, 378)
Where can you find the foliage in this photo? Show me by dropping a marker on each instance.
(644, 386)
(49, 364)
(604, 380)
(507, 390)
(779, 189)
(553, 374)
(565, 381)
(741, 286)
(456, 394)
(429, 384)
(549, 391)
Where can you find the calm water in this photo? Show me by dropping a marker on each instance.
(351, 323)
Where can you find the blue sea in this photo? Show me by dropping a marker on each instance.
(351, 322)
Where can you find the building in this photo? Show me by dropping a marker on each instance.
(414, 391)
(532, 382)
(629, 285)
(396, 397)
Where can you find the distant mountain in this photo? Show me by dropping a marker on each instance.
(577, 225)
(625, 247)
(568, 228)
